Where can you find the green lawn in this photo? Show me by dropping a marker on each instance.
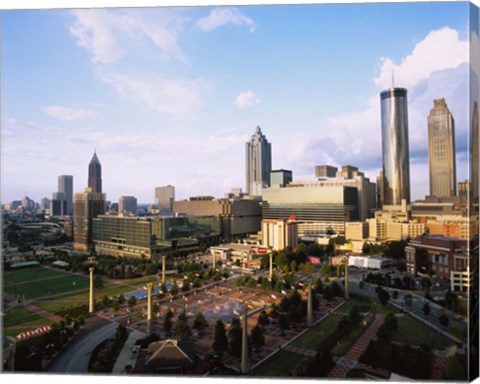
(279, 365)
(14, 277)
(315, 336)
(53, 286)
(21, 316)
(413, 332)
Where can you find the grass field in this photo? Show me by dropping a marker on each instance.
(14, 277)
(19, 315)
(413, 332)
(55, 285)
(315, 336)
(279, 365)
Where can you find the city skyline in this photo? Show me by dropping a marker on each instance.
(159, 110)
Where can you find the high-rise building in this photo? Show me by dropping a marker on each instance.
(58, 204)
(280, 177)
(474, 152)
(88, 205)
(395, 152)
(65, 185)
(95, 174)
(127, 204)
(258, 163)
(325, 171)
(165, 197)
(441, 151)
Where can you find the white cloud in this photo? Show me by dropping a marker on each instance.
(246, 99)
(68, 113)
(108, 35)
(176, 97)
(219, 17)
(441, 49)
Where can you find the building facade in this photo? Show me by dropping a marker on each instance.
(238, 216)
(58, 204)
(395, 149)
(448, 258)
(95, 174)
(325, 171)
(127, 204)
(258, 163)
(165, 198)
(280, 177)
(65, 185)
(280, 233)
(441, 151)
(87, 206)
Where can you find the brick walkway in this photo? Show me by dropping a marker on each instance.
(345, 363)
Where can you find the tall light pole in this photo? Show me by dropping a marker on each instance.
(271, 266)
(91, 261)
(149, 308)
(245, 366)
(163, 268)
(213, 260)
(347, 293)
(309, 307)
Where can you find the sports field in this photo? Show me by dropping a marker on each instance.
(41, 282)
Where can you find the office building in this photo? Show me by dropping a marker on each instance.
(446, 258)
(280, 233)
(239, 216)
(45, 204)
(319, 208)
(87, 206)
(325, 171)
(441, 151)
(129, 236)
(280, 177)
(258, 163)
(127, 204)
(65, 185)
(165, 198)
(395, 150)
(95, 174)
(58, 204)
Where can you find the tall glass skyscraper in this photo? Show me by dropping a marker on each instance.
(258, 163)
(395, 153)
(441, 151)
(95, 174)
(65, 185)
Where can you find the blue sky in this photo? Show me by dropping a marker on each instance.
(171, 95)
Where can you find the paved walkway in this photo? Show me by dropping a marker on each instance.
(126, 357)
(345, 363)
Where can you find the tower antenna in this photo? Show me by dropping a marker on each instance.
(393, 76)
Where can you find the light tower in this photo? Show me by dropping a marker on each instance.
(91, 261)
(149, 287)
(271, 266)
(245, 365)
(163, 268)
(309, 307)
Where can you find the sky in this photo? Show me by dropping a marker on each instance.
(171, 95)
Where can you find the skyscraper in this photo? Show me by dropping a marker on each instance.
(441, 151)
(474, 152)
(258, 163)
(165, 197)
(127, 204)
(58, 204)
(65, 185)
(88, 205)
(95, 174)
(395, 153)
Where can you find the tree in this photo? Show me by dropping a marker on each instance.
(318, 287)
(283, 322)
(174, 289)
(129, 272)
(336, 290)
(451, 300)
(293, 266)
(426, 309)
(235, 337)
(263, 319)
(383, 295)
(325, 269)
(167, 322)
(391, 322)
(395, 295)
(327, 293)
(220, 341)
(183, 330)
(454, 369)
(258, 340)
(408, 299)
(132, 301)
(426, 284)
(443, 319)
(121, 334)
(199, 322)
(344, 326)
(121, 299)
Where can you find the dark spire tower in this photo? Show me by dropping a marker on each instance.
(95, 174)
